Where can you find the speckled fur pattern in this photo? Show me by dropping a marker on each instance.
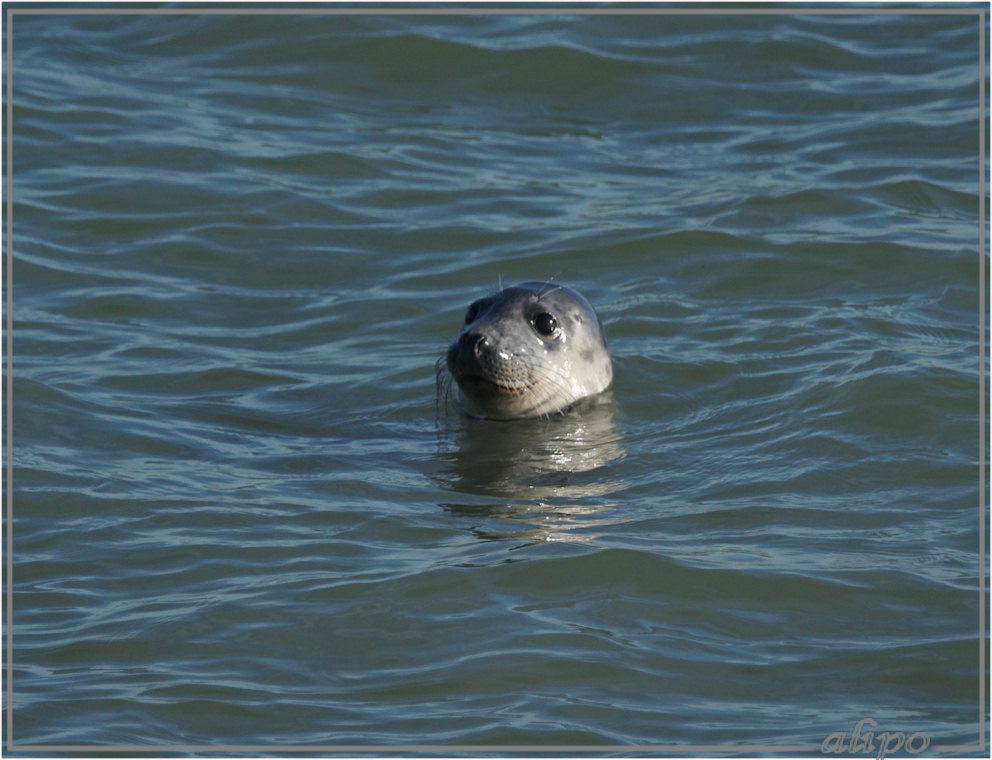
(529, 350)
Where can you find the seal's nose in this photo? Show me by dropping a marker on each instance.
(472, 343)
(465, 353)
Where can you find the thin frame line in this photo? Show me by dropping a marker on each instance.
(436, 748)
(448, 749)
(403, 11)
(981, 379)
(9, 659)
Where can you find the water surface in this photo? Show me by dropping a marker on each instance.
(241, 242)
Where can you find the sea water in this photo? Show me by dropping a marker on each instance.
(242, 515)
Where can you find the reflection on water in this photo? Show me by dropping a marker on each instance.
(553, 474)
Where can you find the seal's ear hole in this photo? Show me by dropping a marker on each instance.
(546, 324)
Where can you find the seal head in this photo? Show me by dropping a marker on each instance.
(529, 350)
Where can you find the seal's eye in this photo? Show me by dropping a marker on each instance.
(473, 312)
(545, 324)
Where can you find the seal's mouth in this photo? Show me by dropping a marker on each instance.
(478, 386)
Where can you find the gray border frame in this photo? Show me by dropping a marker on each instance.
(732, 7)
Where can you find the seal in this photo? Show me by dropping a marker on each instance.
(530, 350)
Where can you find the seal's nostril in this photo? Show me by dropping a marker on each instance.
(473, 342)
